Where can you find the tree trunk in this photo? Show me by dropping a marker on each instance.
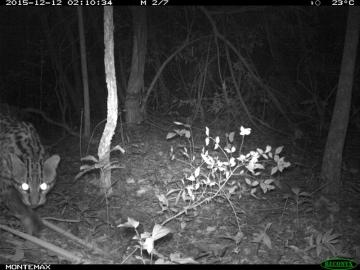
(112, 100)
(75, 69)
(84, 74)
(136, 79)
(56, 60)
(332, 159)
(164, 93)
(281, 63)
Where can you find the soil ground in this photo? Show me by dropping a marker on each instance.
(274, 228)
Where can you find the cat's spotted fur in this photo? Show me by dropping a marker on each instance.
(26, 176)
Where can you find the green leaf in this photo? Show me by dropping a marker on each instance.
(170, 135)
(231, 136)
(159, 231)
(268, 149)
(131, 223)
(118, 148)
(90, 158)
(187, 134)
(207, 141)
(295, 190)
(278, 150)
(149, 245)
(267, 241)
(87, 167)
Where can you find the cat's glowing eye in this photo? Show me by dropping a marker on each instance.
(25, 186)
(44, 186)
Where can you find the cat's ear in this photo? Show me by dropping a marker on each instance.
(18, 168)
(50, 166)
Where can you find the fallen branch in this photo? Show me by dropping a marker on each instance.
(57, 250)
(72, 237)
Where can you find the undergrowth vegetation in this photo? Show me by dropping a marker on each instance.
(218, 172)
(221, 172)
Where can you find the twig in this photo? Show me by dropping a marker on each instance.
(72, 237)
(46, 118)
(57, 250)
(255, 77)
(208, 199)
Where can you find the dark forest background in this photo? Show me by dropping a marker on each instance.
(295, 51)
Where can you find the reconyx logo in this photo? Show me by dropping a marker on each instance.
(338, 264)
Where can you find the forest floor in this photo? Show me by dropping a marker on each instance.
(291, 224)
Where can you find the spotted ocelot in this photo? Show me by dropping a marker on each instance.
(26, 175)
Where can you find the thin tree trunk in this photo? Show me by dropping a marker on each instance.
(74, 66)
(331, 163)
(56, 60)
(136, 79)
(84, 74)
(112, 99)
(122, 78)
(164, 92)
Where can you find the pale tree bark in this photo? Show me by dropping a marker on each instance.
(84, 72)
(332, 159)
(136, 79)
(112, 100)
